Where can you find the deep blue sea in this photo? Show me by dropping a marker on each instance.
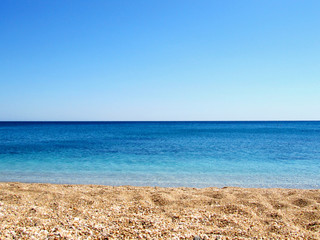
(170, 154)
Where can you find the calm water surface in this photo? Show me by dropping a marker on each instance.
(193, 154)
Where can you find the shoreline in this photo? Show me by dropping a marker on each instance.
(62, 211)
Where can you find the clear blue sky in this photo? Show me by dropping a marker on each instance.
(159, 60)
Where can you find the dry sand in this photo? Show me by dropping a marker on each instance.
(49, 211)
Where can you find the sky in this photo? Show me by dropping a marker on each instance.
(158, 60)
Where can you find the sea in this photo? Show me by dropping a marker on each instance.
(263, 154)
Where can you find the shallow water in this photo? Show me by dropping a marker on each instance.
(193, 154)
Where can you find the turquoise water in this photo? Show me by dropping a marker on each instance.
(193, 154)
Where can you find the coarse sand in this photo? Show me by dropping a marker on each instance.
(51, 211)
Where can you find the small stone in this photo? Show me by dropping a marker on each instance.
(33, 210)
(196, 238)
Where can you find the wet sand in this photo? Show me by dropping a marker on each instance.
(49, 211)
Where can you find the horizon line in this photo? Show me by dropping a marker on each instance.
(1, 121)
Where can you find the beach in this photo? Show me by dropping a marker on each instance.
(53, 211)
(153, 120)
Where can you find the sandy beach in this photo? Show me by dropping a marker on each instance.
(49, 211)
